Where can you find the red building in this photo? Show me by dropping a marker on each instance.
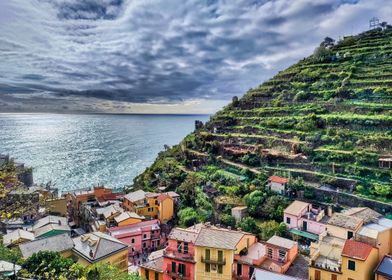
(142, 238)
(178, 257)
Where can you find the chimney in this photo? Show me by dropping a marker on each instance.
(59, 223)
(91, 254)
(329, 211)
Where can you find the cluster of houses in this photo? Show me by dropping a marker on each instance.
(135, 232)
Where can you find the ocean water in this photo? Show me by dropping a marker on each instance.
(79, 151)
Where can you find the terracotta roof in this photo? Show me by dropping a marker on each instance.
(218, 238)
(345, 221)
(296, 208)
(278, 179)
(163, 196)
(356, 250)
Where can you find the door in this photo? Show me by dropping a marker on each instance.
(305, 226)
(317, 275)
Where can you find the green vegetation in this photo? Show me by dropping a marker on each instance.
(326, 120)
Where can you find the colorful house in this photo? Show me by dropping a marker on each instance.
(344, 226)
(128, 218)
(179, 255)
(152, 205)
(96, 247)
(153, 268)
(277, 184)
(358, 260)
(301, 219)
(277, 254)
(384, 269)
(50, 226)
(261, 274)
(141, 237)
(215, 249)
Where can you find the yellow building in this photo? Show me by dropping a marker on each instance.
(153, 268)
(215, 249)
(128, 218)
(343, 226)
(96, 247)
(151, 205)
(358, 260)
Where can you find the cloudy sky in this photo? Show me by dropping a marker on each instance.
(174, 56)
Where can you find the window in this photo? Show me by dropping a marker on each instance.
(334, 277)
(288, 220)
(179, 246)
(220, 255)
(207, 267)
(144, 244)
(220, 268)
(133, 240)
(317, 275)
(282, 254)
(158, 243)
(156, 276)
(351, 265)
(269, 253)
(239, 269)
(144, 235)
(350, 234)
(174, 267)
(208, 254)
(147, 274)
(182, 269)
(186, 247)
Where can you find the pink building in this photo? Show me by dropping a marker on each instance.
(178, 257)
(301, 217)
(143, 237)
(277, 254)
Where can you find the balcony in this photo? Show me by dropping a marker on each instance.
(177, 275)
(239, 277)
(178, 255)
(213, 261)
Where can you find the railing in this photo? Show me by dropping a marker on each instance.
(178, 255)
(213, 261)
(178, 275)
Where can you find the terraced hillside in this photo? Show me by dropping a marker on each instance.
(325, 122)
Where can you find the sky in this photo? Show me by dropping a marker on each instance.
(152, 56)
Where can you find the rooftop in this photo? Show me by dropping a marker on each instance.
(281, 242)
(126, 215)
(183, 235)
(345, 221)
(296, 208)
(136, 196)
(50, 220)
(366, 214)
(218, 238)
(261, 274)
(277, 179)
(57, 243)
(356, 250)
(116, 231)
(16, 235)
(95, 246)
(384, 268)
(48, 228)
(154, 265)
(255, 252)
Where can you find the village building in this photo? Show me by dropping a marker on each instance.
(383, 270)
(344, 226)
(16, 237)
(8, 269)
(50, 226)
(277, 184)
(305, 221)
(215, 249)
(109, 213)
(141, 238)
(62, 244)
(277, 254)
(57, 206)
(96, 247)
(239, 212)
(358, 260)
(179, 255)
(151, 205)
(128, 218)
(153, 268)
(261, 274)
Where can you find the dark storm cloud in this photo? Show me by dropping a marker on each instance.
(161, 51)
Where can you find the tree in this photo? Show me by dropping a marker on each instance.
(321, 54)
(271, 228)
(273, 207)
(248, 224)
(227, 220)
(382, 189)
(47, 265)
(328, 42)
(254, 201)
(188, 216)
(105, 271)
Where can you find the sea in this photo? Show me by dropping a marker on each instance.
(80, 151)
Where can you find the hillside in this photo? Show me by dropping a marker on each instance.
(323, 122)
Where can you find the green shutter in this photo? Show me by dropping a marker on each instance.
(173, 266)
(207, 254)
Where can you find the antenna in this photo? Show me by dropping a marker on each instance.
(374, 22)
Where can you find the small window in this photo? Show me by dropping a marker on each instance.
(251, 271)
(207, 267)
(282, 254)
(350, 234)
(334, 277)
(179, 246)
(239, 269)
(351, 265)
(220, 268)
(174, 267)
(147, 274)
(208, 254)
(317, 275)
(156, 276)
(269, 253)
(144, 244)
(182, 269)
(158, 243)
(186, 247)
(288, 220)
(145, 236)
(220, 255)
